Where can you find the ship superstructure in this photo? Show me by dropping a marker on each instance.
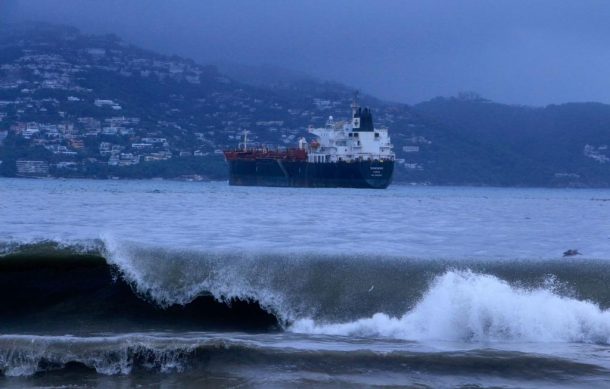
(343, 154)
(356, 140)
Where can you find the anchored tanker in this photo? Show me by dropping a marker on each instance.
(350, 155)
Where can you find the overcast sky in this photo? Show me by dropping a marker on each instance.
(532, 52)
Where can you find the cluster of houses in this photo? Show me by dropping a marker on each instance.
(49, 98)
(597, 153)
(115, 141)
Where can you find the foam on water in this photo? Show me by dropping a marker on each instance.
(429, 265)
(25, 355)
(464, 306)
(536, 300)
(247, 355)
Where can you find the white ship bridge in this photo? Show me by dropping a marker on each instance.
(356, 140)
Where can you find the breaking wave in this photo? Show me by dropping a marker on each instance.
(111, 285)
(48, 287)
(25, 355)
(464, 306)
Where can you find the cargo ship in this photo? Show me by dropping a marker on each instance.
(351, 154)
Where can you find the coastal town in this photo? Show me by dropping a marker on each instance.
(93, 106)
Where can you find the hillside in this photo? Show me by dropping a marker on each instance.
(95, 106)
(555, 145)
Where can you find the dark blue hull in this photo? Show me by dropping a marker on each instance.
(276, 172)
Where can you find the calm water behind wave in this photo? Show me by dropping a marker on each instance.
(423, 222)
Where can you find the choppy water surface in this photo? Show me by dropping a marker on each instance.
(153, 282)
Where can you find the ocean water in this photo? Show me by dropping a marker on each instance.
(106, 283)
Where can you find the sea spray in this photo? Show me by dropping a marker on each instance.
(170, 277)
(520, 318)
(24, 355)
(291, 285)
(466, 306)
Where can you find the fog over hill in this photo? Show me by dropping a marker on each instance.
(513, 51)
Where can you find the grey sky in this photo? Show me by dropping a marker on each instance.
(527, 52)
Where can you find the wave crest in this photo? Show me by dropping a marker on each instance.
(238, 357)
(496, 300)
(27, 355)
(466, 306)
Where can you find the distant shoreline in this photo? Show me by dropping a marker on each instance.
(396, 182)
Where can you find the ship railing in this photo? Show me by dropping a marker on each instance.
(287, 154)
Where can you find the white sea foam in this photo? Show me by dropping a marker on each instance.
(464, 306)
(24, 355)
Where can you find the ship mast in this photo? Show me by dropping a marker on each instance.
(245, 143)
(355, 105)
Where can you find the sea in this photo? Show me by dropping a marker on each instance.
(192, 284)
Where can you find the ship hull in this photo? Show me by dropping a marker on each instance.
(303, 174)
